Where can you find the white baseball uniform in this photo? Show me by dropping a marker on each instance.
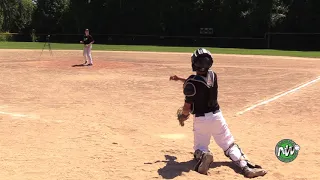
(211, 124)
(87, 41)
(87, 53)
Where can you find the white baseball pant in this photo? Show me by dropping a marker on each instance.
(87, 53)
(215, 125)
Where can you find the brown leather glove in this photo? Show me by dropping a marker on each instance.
(181, 117)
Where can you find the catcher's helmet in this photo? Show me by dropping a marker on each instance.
(201, 60)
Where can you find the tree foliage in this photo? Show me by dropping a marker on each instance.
(48, 15)
(166, 17)
(15, 15)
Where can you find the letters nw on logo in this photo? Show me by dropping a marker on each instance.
(287, 150)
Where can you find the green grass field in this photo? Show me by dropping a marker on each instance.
(58, 46)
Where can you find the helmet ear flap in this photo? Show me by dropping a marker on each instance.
(211, 62)
(194, 68)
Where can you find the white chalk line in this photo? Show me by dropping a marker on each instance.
(13, 114)
(278, 96)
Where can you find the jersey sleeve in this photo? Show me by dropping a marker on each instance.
(189, 91)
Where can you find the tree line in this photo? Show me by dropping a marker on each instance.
(228, 18)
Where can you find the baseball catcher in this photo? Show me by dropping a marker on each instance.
(201, 94)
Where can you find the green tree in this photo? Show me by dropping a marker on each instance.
(15, 15)
(1, 19)
(78, 15)
(280, 9)
(310, 17)
(8, 11)
(259, 19)
(48, 15)
(23, 17)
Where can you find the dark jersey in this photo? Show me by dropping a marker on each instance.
(87, 39)
(202, 93)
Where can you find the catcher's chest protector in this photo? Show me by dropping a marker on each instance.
(204, 98)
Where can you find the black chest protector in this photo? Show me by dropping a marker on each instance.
(201, 92)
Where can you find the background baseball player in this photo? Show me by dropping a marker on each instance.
(87, 41)
(201, 94)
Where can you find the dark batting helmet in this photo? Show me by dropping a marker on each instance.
(201, 60)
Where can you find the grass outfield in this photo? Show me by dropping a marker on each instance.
(58, 46)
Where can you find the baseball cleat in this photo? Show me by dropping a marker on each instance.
(197, 154)
(252, 165)
(89, 64)
(253, 172)
(204, 163)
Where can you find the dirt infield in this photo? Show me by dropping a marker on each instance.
(116, 119)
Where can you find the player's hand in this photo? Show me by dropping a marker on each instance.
(174, 78)
(81, 42)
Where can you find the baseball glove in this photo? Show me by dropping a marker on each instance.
(181, 117)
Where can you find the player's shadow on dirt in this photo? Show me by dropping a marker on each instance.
(78, 65)
(172, 169)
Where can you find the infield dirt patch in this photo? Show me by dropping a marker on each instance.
(116, 119)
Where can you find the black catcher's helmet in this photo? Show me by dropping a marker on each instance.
(201, 60)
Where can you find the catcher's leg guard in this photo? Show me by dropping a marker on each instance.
(235, 153)
(249, 169)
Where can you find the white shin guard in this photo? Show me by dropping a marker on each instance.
(236, 155)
